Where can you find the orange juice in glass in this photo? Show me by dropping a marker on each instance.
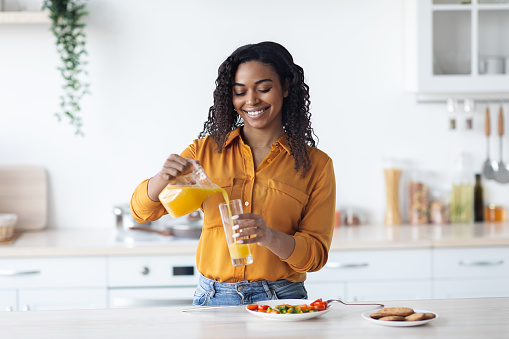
(240, 254)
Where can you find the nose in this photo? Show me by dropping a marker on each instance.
(252, 98)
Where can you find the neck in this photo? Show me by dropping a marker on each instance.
(256, 138)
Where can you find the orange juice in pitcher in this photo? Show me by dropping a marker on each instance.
(186, 193)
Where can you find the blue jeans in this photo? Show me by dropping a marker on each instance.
(210, 292)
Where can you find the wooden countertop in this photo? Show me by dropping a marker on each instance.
(458, 318)
(98, 242)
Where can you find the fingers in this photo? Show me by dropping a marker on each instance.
(175, 165)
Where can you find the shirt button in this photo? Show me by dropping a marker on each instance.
(246, 203)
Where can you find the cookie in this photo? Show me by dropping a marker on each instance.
(429, 316)
(415, 317)
(392, 318)
(397, 311)
(376, 315)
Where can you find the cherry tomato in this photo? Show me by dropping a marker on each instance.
(262, 308)
(320, 306)
(252, 307)
(316, 301)
(274, 311)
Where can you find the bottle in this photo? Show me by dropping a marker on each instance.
(462, 196)
(478, 199)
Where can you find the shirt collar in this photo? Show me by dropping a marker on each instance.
(283, 141)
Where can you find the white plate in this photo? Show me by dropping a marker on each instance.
(400, 323)
(291, 316)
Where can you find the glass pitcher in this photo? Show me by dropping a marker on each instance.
(186, 193)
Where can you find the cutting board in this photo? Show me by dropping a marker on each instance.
(24, 191)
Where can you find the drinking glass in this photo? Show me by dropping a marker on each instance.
(239, 253)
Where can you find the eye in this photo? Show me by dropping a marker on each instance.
(239, 94)
(265, 90)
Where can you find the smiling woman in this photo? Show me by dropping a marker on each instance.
(257, 145)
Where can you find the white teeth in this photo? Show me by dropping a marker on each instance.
(256, 112)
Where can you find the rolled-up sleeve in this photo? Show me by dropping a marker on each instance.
(314, 235)
(143, 209)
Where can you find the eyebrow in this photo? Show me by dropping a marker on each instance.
(256, 83)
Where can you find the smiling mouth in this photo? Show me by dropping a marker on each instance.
(255, 113)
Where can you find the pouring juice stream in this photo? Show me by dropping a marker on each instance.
(180, 200)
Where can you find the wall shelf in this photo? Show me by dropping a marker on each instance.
(24, 18)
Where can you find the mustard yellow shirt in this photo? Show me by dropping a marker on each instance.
(301, 207)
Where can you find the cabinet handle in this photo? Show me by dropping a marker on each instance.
(145, 270)
(480, 263)
(5, 273)
(347, 265)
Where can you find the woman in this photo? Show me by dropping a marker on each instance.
(258, 145)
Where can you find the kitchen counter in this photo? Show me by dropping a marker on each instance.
(458, 318)
(95, 242)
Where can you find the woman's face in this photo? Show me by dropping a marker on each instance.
(258, 95)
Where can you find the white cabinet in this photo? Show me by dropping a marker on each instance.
(55, 283)
(457, 46)
(471, 272)
(8, 300)
(137, 281)
(373, 275)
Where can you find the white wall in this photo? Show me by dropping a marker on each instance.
(152, 70)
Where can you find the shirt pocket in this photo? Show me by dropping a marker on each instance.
(284, 206)
(211, 215)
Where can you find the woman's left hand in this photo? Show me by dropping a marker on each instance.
(254, 226)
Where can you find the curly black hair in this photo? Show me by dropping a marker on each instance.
(296, 117)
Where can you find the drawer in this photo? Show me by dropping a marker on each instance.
(52, 272)
(375, 265)
(486, 262)
(139, 271)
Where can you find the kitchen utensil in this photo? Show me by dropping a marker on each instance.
(24, 191)
(366, 315)
(487, 168)
(339, 301)
(502, 174)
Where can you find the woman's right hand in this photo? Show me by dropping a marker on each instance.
(173, 166)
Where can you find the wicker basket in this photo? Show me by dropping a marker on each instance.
(7, 224)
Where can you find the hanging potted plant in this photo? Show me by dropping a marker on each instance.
(69, 30)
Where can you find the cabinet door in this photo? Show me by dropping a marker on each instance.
(472, 288)
(8, 300)
(62, 299)
(388, 290)
(375, 265)
(53, 272)
(456, 47)
(480, 262)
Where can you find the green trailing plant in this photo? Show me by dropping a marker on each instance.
(67, 26)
